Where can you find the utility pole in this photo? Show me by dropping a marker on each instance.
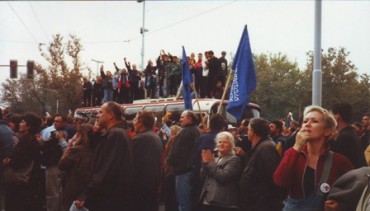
(317, 72)
(97, 65)
(142, 31)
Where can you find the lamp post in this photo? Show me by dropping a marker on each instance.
(57, 96)
(97, 65)
(142, 31)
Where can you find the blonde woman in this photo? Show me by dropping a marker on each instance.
(309, 168)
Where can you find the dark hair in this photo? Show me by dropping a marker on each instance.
(116, 109)
(245, 122)
(192, 116)
(216, 122)
(344, 109)
(279, 125)
(260, 127)
(33, 121)
(16, 119)
(1, 114)
(146, 118)
(63, 117)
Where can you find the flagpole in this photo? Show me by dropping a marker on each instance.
(225, 90)
(179, 91)
(197, 100)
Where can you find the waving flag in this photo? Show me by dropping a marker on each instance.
(186, 81)
(244, 78)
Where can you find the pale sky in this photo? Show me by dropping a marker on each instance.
(109, 30)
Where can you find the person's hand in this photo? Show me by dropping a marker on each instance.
(6, 161)
(59, 135)
(79, 203)
(331, 205)
(207, 156)
(239, 151)
(102, 68)
(300, 140)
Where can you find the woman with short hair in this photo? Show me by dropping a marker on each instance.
(220, 190)
(309, 168)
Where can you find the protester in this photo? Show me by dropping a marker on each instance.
(181, 157)
(53, 144)
(170, 202)
(309, 169)
(98, 91)
(25, 196)
(6, 148)
(147, 162)
(347, 141)
(257, 190)
(107, 85)
(110, 187)
(220, 190)
(87, 88)
(76, 163)
(205, 142)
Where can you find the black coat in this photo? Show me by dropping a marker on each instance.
(182, 154)
(257, 190)
(147, 161)
(110, 187)
(348, 144)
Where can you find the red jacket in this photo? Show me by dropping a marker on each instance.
(290, 172)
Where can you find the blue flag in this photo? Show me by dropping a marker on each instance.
(186, 81)
(244, 78)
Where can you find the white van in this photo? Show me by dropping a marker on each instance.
(208, 107)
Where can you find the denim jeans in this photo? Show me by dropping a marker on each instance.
(313, 202)
(108, 95)
(183, 190)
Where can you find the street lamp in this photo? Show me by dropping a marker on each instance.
(57, 95)
(97, 65)
(142, 31)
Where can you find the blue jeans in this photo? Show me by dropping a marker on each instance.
(183, 190)
(108, 95)
(313, 202)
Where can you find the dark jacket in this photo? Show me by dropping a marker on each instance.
(77, 166)
(182, 154)
(110, 187)
(292, 167)
(6, 140)
(25, 196)
(348, 144)
(257, 190)
(147, 161)
(221, 184)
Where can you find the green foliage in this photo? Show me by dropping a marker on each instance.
(341, 82)
(56, 82)
(283, 88)
(279, 85)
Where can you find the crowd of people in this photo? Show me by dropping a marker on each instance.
(161, 79)
(112, 164)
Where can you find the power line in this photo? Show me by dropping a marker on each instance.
(169, 25)
(38, 20)
(24, 25)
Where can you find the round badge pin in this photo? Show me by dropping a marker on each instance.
(325, 187)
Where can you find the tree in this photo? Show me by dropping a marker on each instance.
(340, 81)
(56, 82)
(279, 85)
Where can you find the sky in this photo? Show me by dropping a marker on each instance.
(109, 30)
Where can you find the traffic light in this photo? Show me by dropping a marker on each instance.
(30, 69)
(13, 69)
